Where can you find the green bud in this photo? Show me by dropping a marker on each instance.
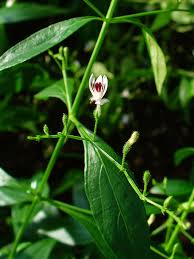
(46, 130)
(167, 202)
(65, 54)
(50, 52)
(146, 180)
(128, 145)
(151, 219)
(131, 141)
(64, 121)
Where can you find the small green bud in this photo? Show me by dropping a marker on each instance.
(131, 141)
(146, 180)
(128, 145)
(167, 202)
(65, 54)
(50, 52)
(46, 130)
(151, 219)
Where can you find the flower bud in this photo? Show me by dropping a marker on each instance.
(146, 180)
(131, 141)
(46, 130)
(167, 202)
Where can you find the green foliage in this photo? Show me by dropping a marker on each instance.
(157, 60)
(106, 211)
(41, 41)
(112, 203)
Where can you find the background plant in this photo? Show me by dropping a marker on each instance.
(108, 181)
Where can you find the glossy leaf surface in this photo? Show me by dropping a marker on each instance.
(41, 41)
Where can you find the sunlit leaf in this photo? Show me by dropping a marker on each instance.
(41, 41)
(157, 59)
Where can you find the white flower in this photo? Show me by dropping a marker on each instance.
(98, 89)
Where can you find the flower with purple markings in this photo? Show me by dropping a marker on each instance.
(98, 88)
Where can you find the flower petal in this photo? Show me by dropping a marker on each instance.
(99, 80)
(91, 83)
(105, 84)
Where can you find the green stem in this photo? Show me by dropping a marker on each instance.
(96, 117)
(169, 229)
(129, 16)
(94, 8)
(39, 137)
(95, 52)
(62, 139)
(175, 233)
(66, 85)
(158, 252)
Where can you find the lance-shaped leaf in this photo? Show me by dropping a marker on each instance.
(157, 59)
(41, 41)
(117, 210)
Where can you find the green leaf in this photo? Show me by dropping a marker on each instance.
(182, 154)
(28, 11)
(56, 90)
(41, 41)
(185, 92)
(157, 59)
(11, 192)
(86, 219)
(173, 187)
(40, 249)
(117, 210)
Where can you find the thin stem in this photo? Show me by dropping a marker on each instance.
(93, 57)
(22, 229)
(94, 8)
(175, 233)
(142, 14)
(63, 139)
(169, 229)
(159, 229)
(56, 136)
(158, 252)
(66, 85)
(96, 117)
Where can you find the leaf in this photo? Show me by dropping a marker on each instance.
(28, 11)
(41, 41)
(182, 154)
(173, 187)
(157, 59)
(185, 92)
(56, 90)
(86, 219)
(117, 210)
(40, 249)
(11, 192)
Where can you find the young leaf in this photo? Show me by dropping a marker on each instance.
(182, 154)
(40, 249)
(56, 90)
(157, 59)
(11, 192)
(117, 210)
(86, 219)
(41, 41)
